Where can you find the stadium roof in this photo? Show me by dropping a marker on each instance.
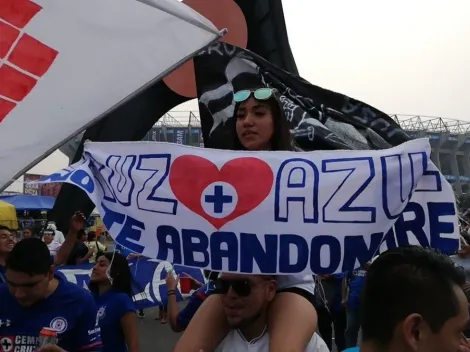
(180, 119)
(432, 124)
(407, 122)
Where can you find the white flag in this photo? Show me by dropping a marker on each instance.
(64, 64)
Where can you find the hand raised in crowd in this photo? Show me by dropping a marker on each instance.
(77, 222)
(171, 281)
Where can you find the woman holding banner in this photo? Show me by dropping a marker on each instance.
(111, 285)
(260, 124)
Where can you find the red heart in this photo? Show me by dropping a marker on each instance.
(252, 179)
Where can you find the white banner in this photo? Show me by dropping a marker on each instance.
(266, 212)
(64, 64)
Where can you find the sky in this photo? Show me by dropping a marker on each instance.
(401, 56)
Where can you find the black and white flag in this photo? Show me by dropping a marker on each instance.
(320, 119)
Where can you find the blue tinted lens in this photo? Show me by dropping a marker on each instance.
(241, 95)
(263, 93)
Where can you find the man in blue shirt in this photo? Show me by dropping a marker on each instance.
(352, 289)
(413, 302)
(34, 298)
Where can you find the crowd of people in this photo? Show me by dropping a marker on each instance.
(408, 299)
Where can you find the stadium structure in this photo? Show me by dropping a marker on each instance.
(450, 143)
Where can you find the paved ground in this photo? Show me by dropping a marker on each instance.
(155, 336)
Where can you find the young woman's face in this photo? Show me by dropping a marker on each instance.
(254, 125)
(48, 237)
(98, 274)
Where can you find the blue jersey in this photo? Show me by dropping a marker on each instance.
(356, 280)
(353, 349)
(70, 310)
(194, 302)
(112, 306)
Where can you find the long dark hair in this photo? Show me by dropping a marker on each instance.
(281, 138)
(120, 274)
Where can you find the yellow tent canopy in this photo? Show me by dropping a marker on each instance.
(8, 215)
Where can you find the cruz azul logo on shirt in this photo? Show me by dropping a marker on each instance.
(100, 315)
(59, 324)
(18, 343)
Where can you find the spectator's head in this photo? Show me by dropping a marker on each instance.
(112, 269)
(412, 301)
(48, 236)
(245, 298)
(81, 235)
(91, 236)
(29, 271)
(7, 240)
(27, 232)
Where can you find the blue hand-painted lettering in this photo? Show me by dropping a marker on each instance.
(155, 168)
(296, 182)
(120, 179)
(98, 171)
(396, 191)
(339, 209)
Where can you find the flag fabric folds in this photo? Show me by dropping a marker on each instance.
(320, 119)
(64, 64)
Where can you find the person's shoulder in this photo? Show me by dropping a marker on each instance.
(122, 297)
(317, 344)
(73, 290)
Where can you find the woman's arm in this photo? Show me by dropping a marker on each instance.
(291, 315)
(131, 333)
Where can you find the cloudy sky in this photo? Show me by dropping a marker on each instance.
(401, 56)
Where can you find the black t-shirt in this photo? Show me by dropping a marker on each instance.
(79, 251)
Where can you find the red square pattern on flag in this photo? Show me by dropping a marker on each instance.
(33, 56)
(15, 84)
(18, 12)
(8, 35)
(5, 107)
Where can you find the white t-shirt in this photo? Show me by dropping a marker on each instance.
(53, 247)
(235, 342)
(305, 282)
(59, 236)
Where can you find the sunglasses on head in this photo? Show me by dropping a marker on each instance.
(240, 287)
(259, 94)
